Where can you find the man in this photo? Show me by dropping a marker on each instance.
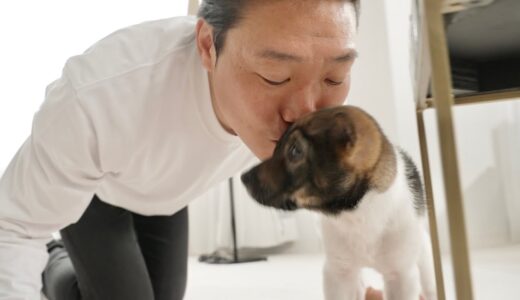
(149, 118)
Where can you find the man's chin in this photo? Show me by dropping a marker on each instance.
(266, 152)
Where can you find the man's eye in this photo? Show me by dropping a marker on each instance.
(332, 82)
(272, 82)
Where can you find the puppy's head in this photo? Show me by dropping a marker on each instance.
(326, 161)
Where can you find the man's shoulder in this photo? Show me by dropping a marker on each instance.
(131, 48)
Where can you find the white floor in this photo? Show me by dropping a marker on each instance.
(496, 275)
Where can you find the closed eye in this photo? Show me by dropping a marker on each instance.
(273, 82)
(332, 82)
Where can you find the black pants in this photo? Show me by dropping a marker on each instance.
(120, 255)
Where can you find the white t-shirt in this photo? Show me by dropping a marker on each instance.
(130, 120)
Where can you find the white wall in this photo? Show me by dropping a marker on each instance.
(477, 128)
(372, 88)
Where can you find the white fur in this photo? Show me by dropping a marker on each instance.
(384, 233)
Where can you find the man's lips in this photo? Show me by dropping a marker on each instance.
(274, 140)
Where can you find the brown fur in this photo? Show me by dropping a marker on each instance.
(372, 154)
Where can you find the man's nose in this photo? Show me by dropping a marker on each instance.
(299, 104)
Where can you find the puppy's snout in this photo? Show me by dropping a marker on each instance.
(251, 182)
(247, 178)
(255, 185)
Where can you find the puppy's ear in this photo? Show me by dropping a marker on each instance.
(366, 148)
(335, 126)
(342, 133)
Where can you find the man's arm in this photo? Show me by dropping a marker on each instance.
(47, 185)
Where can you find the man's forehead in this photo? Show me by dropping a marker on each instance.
(292, 13)
(280, 55)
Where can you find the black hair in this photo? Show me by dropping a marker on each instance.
(223, 15)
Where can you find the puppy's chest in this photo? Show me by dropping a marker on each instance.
(363, 236)
(353, 240)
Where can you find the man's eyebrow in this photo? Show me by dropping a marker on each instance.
(282, 56)
(351, 55)
(277, 55)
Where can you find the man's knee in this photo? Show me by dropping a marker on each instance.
(59, 278)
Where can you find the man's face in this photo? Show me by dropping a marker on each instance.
(282, 61)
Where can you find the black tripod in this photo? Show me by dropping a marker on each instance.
(222, 257)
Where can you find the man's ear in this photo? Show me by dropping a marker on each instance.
(205, 45)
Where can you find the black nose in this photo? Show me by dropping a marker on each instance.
(246, 178)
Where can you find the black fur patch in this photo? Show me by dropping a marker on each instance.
(414, 182)
(347, 201)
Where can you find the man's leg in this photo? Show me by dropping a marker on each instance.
(59, 278)
(104, 251)
(164, 244)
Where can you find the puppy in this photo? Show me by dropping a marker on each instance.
(338, 162)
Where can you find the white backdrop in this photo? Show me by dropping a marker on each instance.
(507, 137)
(256, 226)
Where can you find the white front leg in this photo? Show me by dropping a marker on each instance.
(342, 283)
(402, 285)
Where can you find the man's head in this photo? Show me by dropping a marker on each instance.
(273, 61)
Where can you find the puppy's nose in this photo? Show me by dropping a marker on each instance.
(246, 178)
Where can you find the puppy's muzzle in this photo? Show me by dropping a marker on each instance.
(255, 187)
(263, 193)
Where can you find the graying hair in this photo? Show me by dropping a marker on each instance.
(223, 15)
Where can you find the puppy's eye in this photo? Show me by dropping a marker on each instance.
(295, 153)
